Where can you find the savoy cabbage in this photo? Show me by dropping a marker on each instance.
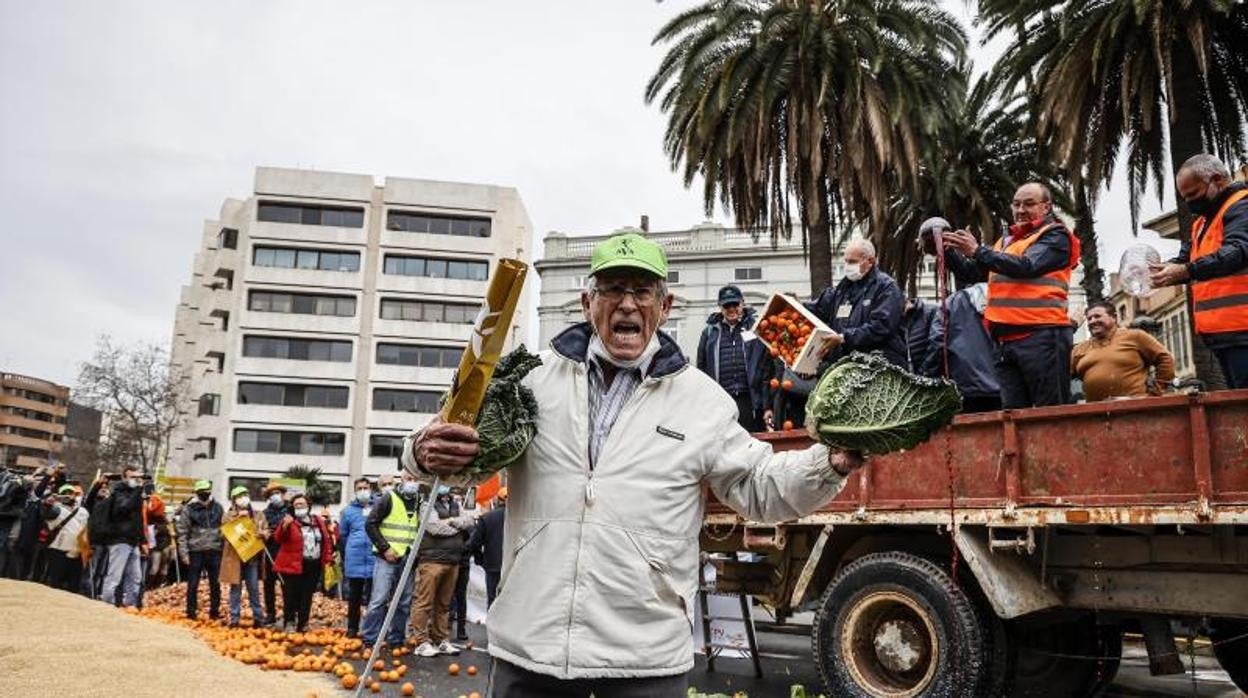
(865, 403)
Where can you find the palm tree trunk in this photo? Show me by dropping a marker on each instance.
(1093, 275)
(1186, 141)
(820, 230)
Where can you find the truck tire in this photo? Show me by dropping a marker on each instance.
(1230, 646)
(1073, 657)
(895, 624)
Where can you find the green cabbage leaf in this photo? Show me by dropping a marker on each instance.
(507, 421)
(865, 403)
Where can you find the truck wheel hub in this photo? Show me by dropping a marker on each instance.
(890, 645)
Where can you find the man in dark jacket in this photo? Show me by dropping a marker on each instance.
(1028, 273)
(971, 350)
(864, 308)
(436, 570)
(199, 536)
(122, 531)
(729, 352)
(916, 329)
(486, 544)
(14, 489)
(275, 509)
(1213, 260)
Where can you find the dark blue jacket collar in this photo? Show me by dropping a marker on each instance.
(573, 344)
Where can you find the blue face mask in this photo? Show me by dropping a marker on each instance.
(362, 496)
(409, 489)
(444, 490)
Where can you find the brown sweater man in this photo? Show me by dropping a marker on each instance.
(1115, 361)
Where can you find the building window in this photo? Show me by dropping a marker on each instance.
(304, 214)
(293, 395)
(255, 486)
(382, 446)
(435, 268)
(422, 401)
(428, 311)
(296, 349)
(413, 222)
(673, 276)
(297, 258)
(580, 282)
(301, 303)
(305, 443)
(227, 239)
(418, 355)
(209, 403)
(748, 273)
(209, 448)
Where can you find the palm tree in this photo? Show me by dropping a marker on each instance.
(1169, 78)
(812, 101)
(319, 492)
(981, 152)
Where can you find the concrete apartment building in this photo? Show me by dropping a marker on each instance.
(33, 415)
(325, 316)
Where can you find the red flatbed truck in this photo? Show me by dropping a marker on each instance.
(1071, 524)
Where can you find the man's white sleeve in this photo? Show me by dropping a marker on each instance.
(768, 487)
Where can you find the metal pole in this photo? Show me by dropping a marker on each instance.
(397, 591)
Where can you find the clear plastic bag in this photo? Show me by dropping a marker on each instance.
(1133, 271)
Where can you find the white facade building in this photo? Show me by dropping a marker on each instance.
(326, 315)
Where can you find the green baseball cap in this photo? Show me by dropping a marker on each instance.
(237, 491)
(66, 489)
(203, 485)
(629, 250)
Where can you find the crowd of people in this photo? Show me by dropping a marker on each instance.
(1005, 336)
(114, 541)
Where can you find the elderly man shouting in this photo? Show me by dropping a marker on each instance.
(600, 553)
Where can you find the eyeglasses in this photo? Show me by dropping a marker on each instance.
(643, 296)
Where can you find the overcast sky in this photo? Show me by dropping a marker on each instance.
(125, 124)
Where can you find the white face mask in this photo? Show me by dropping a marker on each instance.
(242, 502)
(387, 488)
(275, 499)
(301, 512)
(362, 496)
(853, 272)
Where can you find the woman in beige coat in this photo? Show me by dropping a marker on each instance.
(234, 571)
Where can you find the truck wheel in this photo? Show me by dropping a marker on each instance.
(1072, 657)
(1230, 646)
(896, 625)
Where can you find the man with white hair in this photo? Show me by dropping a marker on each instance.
(865, 309)
(600, 553)
(1214, 260)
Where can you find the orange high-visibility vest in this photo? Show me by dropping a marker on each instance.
(1039, 301)
(1221, 304)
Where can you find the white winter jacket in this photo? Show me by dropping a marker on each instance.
(66, 539)
(600, 566)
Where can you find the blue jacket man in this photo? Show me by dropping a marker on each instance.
(972, 351)
(357, 552)
(865, 309)
(731, 354)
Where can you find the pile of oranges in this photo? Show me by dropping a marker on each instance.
(322, 650)
(786, 333)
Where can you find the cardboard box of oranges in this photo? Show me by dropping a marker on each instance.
(792, 333)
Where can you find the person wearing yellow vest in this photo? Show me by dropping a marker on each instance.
(1028, 274)
(391, 526)
(1214, 261)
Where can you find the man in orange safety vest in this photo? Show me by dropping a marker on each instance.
(1214, 261)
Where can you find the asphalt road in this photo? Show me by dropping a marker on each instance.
(786, 662)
